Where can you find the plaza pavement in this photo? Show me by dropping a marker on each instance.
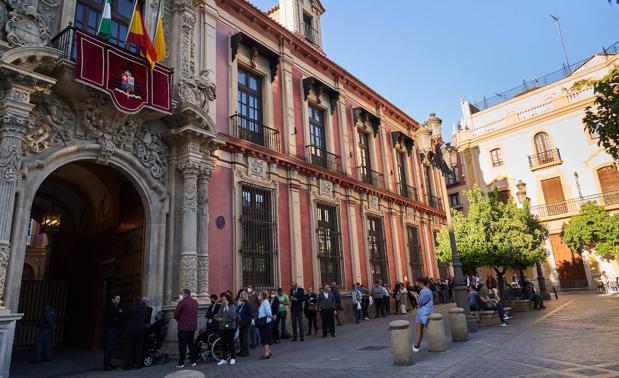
(576, 336)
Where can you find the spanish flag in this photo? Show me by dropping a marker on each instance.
(139, 36)
(159, 40)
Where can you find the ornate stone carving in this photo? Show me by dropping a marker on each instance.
(9, 163)
(50, 13)
(202, 274)
(15, 123)
(202, 199)
(5, 253)
(256, 167)
(410, 213)
(326, 188)
(55, 124)
(187, 276)
(26, 26)
(373, 203)
(190, 173)
(198, 91)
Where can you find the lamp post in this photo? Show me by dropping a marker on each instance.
(445, 158)
(524, 201)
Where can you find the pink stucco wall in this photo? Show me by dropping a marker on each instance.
(220, 240)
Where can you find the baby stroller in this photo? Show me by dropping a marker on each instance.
(153, 343)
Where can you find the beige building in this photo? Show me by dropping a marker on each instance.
(532, 138)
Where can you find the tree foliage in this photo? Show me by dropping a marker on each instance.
(603, 118)
(494, 234)
(594, 229)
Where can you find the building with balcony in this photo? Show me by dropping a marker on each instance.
(272, 165)
(532, 138)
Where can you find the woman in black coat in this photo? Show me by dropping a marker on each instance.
(274, 310)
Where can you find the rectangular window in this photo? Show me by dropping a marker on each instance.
(401, 162)
(377, 250)
(414, 251)
(88, 16)
(428, 172)
(258, 240)
(329, 252)
(365, 169)
(318, 139)
(249, 107)
(454, 200)
(453, 177)
(497, 157)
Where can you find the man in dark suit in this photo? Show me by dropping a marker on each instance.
(113, 314)
(297, 297)
(326, 306)
(137, 323)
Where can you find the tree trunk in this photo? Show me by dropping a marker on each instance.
(500, 276)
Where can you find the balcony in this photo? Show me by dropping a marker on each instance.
(408, 191)
(545, 159)
(250, 130)
(311, 34)
(572, 206)
(371, 177)
(322, 158)
(435, 202)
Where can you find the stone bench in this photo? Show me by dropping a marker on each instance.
(521, 305)
(488, 318)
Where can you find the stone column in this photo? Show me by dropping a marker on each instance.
(396, 243)
(188, 277)
(202, 252)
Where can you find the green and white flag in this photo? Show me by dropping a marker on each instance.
(105, 27)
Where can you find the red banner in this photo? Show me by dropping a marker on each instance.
(125, 76)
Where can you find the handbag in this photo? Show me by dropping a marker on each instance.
(358, 306)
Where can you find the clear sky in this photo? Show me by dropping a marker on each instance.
(424, 56)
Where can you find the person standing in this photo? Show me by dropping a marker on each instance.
(226, 317)
(357, 298)
(338, 302)
(282, 313)
(43, 348)
(326, 306)
(311, 311)
(252, 296)
(423, 311)
(264, 324)
(186, 314)
(274, 301)
(386, 300)
(246, 318)
(365, 303)
(297, 299)
(377, 295)
(137, 323)
(113, 314)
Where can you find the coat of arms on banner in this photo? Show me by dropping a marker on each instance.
(126, 84)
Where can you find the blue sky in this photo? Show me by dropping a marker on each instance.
(424, 56)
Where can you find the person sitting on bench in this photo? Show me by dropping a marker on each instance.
(492, 304)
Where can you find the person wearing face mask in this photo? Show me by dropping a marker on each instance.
(211, 312)
(245, 316)
(186, 314)
(227, 316)
(326, 306)
(274, 309)
(264, 320)
(254, 336)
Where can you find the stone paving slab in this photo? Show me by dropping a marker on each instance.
(576, 336)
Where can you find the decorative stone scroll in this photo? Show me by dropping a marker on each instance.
(187, 278)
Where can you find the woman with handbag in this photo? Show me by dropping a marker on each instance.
(311, 311)
(227, 326)
(423, 311)
(263, 323)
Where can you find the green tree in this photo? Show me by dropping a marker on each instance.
(603, 117)
(494, 234)
(594, 229)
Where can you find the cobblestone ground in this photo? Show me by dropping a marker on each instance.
(576, 336)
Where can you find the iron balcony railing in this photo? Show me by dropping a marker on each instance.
(310, 33)
(408, 191)
(572, 206)
(320, 157)
(251, 130)
(371, 177)
(540, 82)
(65, 42)
(545, 157)
(435, 202)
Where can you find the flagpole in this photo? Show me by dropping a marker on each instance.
(135, 4)
(157, 19)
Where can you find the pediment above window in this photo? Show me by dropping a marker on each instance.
(320, 88)
(366, 118)
(398, 138)
(255, 48)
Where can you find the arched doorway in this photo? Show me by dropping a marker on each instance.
(97, 249)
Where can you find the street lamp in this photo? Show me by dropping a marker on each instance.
(445, 157)
(524, 201)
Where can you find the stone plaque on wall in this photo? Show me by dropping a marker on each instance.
(373, 203)
(326, 188)
(256, 168)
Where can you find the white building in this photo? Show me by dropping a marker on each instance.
(534, 134)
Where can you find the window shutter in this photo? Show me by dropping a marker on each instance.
(553, 191)
(609, 179)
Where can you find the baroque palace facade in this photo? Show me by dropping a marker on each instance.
(530, 142)
(274, 165)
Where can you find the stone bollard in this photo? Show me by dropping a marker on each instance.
(435, 332)
(186, 374)
(457, 325)
(401, 341)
